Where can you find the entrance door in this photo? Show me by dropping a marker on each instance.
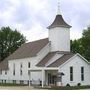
(51, 79)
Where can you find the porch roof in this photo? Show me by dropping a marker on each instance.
(61, 60)
(66, 56)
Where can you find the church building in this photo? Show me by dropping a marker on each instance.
(47, 61)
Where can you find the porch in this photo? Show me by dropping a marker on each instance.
(49, 76)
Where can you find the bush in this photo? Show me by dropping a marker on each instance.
(68, 85)
(79, 84)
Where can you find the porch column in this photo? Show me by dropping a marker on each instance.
(43, 77)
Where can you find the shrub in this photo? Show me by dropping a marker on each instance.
(79, 84)
(68, 85)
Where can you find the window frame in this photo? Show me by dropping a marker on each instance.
(82, 73)
(29, 64)
(14, 69)
(71, 73)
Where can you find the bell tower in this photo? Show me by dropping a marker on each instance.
(59, 33)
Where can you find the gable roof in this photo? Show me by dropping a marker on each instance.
(28, 49)
(61, 60)
(59, 22)
(66, 56)
(46, 59)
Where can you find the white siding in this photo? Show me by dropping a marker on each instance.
(76, 63)
(35, 75)
(60, 39)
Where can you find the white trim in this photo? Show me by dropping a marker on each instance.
(83, 58)
(77, 54)
(43, 49)
(45, 68)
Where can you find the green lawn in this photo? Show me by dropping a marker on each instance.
(10, 84)
(70, 88)
(66, 88)
(52, 88)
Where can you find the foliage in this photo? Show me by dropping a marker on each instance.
(86, 43)
(9, 41)
(82, 45)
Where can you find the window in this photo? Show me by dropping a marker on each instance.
(28, 64)
(14, 81)
(4, 81)
(1, 72)
(5, 72)
(21, 82)
(14, 69)
(20, 72)
(82, 73)
(28, 72)
(71, 73)
(21, 65)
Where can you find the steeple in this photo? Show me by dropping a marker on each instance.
(59, 33)
(59, 21)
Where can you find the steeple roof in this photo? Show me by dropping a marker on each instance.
(59, 22)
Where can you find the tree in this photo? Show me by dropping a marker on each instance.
(10, 40)
(82, 45)
(76, 46)
(86, 43)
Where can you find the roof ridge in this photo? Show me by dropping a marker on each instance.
(36, 40)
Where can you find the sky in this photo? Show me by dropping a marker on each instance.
(32, 17)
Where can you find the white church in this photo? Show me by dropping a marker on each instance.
(47, 61)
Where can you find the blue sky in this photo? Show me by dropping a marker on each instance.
(31, 17)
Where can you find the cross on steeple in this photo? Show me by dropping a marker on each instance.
(58, 11)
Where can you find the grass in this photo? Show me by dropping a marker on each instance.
(10, 84)
(70, 88)
(66, 88)
(52, 88)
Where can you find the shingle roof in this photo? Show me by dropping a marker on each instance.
(46, 59)
(4, 65)
(26, 50)
(61, 60)
(66, 56)
(59, 22)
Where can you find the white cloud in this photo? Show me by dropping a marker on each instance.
(36, 32)
(31, 17)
